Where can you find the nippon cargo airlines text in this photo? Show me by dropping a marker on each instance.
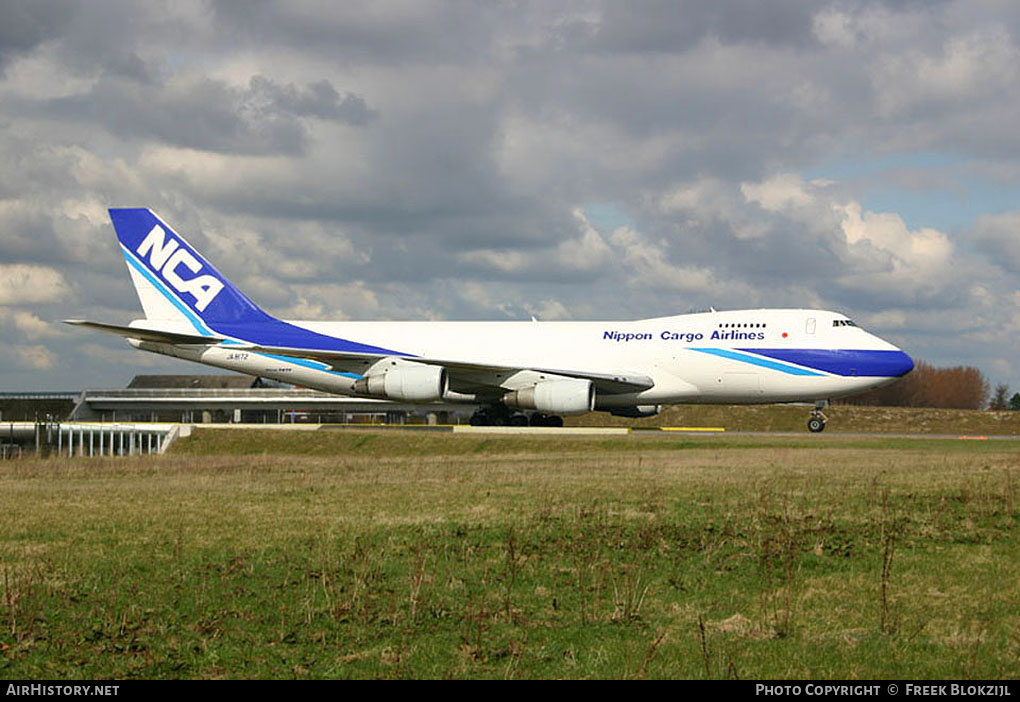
(668, 335)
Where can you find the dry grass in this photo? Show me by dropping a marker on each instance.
(842, 419)
(413, 555)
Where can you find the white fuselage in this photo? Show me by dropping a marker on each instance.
(694, 358)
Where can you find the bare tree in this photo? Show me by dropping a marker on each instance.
(1000, 399)
(958, 387)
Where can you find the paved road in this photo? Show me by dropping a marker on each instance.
(827, 434)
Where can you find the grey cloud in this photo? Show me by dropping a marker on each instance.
(318, 99)
(261, 118)
(666, 26)
(383, 33)
(25, 25)
(130, 66)
(423, 159)
(998, 236)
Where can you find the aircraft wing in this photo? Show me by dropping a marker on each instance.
(466, 374)
(470, 373)
(610, 383)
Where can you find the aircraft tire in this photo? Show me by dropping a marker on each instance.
(546, 420)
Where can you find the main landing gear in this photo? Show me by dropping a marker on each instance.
(501, 416)
(818, 419)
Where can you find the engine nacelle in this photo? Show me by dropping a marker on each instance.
(410, 382)
(637, 411)
(567, 396)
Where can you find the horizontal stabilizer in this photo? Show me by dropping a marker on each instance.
(162, 337)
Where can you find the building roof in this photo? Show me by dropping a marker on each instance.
(210, 382)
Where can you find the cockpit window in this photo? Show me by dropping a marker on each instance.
(843, 323)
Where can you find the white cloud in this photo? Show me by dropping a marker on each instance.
(915, 252)
(875, 251)
(690, 197)
(334, 301)
(835, 28)
(980, 64)
(549, 310)
(650, 265)
(35, 357)
(214, 174)
(886, 320)
(505, 260)
(586, 252)
(25, 284)
(29, 325)
(781, 192)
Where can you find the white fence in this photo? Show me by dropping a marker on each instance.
(90, 438)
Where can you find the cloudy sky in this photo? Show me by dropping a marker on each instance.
(496, 160)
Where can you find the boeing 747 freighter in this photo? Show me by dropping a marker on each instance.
(514, 372)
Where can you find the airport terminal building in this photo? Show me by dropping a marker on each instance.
(204, 399)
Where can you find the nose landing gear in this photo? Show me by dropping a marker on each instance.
(818, 419)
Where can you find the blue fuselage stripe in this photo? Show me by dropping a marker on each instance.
(891, 363)
(756, 361)
(806, 362)
(307, 363)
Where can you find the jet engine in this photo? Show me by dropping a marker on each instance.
(411, 382)
(567, 396)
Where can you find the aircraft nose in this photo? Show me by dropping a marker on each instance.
(888, 363)
(900, 364)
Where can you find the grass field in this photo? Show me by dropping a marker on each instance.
(412, 554)
(842, 419)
